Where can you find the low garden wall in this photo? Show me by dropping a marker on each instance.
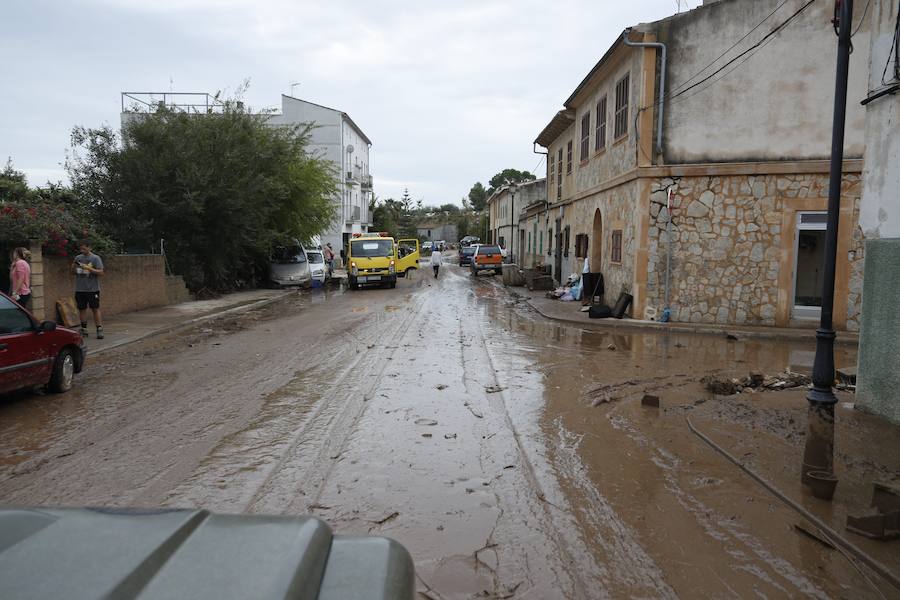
(131, 282)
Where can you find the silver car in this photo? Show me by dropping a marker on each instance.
(289, 266)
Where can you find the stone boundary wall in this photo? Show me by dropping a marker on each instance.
(733, 247)
(131, 282)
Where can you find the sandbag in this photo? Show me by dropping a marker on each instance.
(622, 304)
(599, 311)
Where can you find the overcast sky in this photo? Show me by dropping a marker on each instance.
(449, 92)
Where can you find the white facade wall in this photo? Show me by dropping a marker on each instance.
(759, 112)
(879, 211)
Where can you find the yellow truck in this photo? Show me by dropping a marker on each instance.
(375, 258)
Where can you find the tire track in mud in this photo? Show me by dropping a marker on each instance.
(341, 413)
(626, 563)
(139, 443)
(268, 464)
(566, 563)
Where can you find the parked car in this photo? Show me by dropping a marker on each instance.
(427, 246)
(317, 266)
(34, 353)
(465, 255)
(469, 240)
(288, 266)
(487, 258)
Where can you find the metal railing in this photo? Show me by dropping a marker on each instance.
(192, 102)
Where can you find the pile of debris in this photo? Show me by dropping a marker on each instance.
(568, 292)
(754, 382)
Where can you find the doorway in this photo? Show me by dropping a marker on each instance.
(809, 253)
(520, 259)
(597, 248)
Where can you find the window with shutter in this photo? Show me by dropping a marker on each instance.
(621, 123)
(585, 136)
(615, 254)
(600, 135)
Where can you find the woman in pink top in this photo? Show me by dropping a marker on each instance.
(20, 277)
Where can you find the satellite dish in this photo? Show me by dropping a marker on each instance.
(350, 148)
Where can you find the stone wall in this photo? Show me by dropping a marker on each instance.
(733, 249)
(617, 208)
(131, 282)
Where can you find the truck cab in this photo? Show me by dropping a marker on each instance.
(375, 258)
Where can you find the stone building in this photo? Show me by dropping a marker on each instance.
(729, 135)
(437, 232)
(506, 208)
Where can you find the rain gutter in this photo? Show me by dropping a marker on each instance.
(662, 83)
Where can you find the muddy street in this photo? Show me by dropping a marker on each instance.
(510, 454)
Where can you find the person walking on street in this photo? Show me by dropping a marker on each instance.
(88, 268)
(20, 277)
(436, 260)
(328, 252)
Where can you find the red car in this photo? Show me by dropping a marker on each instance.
(34, 353)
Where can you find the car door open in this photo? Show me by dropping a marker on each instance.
(407, 255)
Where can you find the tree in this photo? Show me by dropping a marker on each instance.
(478, 196)
(51, 216)
(395, 217)
(449, 208)
(221, 189)
(507, 176)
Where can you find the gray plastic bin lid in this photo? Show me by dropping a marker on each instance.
(192, 554)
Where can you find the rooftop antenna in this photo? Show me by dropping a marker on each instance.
(293, 85)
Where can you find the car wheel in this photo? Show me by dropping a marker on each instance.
(63, 372)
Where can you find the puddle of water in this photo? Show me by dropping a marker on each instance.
(630, 473)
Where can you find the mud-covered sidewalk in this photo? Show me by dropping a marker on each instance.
(510, 454)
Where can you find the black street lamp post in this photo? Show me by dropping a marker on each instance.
(818, 454)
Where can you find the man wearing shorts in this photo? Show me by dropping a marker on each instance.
(88, 269)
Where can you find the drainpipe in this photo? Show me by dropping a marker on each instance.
(667, 312)
(662, 83)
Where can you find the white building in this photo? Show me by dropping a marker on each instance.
(334, 136)
(337, 138)
(879, 219)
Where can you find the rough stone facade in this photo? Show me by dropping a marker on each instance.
(617, 211)
(733, 247)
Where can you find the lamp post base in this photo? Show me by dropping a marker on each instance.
(818, 455)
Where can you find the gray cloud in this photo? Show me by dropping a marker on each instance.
(449, 92)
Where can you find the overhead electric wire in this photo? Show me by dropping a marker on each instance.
(895, 51)
(723, 76)
(761, 42)
(862, 18)
(730, 48)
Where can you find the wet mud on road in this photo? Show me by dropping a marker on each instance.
(510, 454)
